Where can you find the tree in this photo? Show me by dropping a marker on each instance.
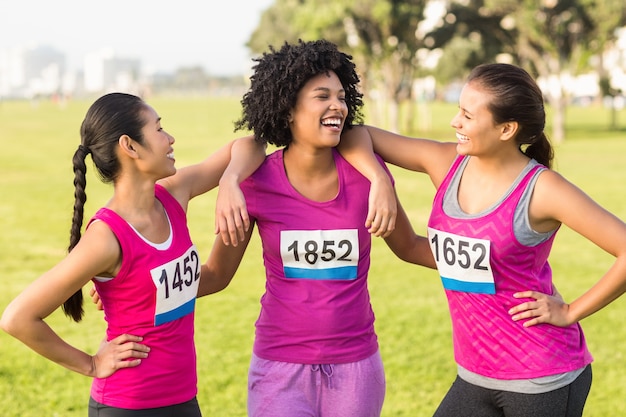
(553, 39)
(608, 16)
(382, 37)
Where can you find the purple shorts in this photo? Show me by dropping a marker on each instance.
(281, 389)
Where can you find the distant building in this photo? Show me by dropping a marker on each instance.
(104, 71)
(40, 71)
(30, 72)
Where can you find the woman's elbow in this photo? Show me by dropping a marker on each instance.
(9, 322)
(212, 282)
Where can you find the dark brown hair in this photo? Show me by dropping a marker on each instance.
(108, 118)
(517, 97)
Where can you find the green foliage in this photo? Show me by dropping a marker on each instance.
(548, 38)
(550, 35)
(412, 318)
(381, 36)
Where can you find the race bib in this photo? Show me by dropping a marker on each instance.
(320, 254)
(463, 262)
(177, 286)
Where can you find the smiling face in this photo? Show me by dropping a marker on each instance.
(320, 111)
(476, 131)
(158, 151)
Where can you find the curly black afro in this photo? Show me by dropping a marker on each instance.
(278, 77)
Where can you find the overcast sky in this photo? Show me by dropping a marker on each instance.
(163, 34)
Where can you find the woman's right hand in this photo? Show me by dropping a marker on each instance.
(95, 297)
(124, 351)
(382, 208)
(231, 213)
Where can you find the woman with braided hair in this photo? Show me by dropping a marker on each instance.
(138, 252)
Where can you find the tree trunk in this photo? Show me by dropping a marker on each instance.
(394, 115)
(559, 106)
(408, 118)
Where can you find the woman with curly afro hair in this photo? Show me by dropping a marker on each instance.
(315, 351)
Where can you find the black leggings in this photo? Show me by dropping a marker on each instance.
(186, 409)
(467, 400)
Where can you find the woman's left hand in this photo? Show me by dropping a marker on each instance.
(543, 309)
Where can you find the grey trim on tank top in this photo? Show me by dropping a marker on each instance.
(521, 223)
(528, 237)
(523, 386)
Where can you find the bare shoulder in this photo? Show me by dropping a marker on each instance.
(97, 252)
(555, 197)
(551, 184)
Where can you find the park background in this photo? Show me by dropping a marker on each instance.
(412, 321)
(411, 72)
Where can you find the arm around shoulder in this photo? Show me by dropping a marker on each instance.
(407, 245)
(416, 154)
(231, 214)
(240, 157)
(428, 156)
(222, 264)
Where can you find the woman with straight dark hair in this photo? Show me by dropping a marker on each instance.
(519, 347)
(138, 252)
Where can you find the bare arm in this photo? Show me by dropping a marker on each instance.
(193, 180)
(231, 214)
(232, 162)
(97, 252)
(356, 147)
(556, 199)
(407, 245)
(421, 155)
(220, 267)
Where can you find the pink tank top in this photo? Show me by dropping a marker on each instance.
(482, 264)
(316, 307)
(152, 296)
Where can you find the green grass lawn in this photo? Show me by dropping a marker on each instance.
(36, 197)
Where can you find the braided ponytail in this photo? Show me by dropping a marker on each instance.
(73, 306)
(108, 118)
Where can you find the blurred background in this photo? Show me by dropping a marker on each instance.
(192, 61)
(408, 53)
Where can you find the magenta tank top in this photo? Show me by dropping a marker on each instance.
(152, 296)
(481, 264)
(316, 306)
